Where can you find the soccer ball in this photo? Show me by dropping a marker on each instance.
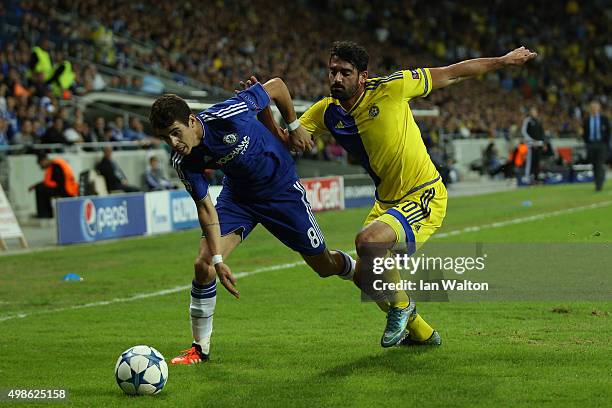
(141, 370)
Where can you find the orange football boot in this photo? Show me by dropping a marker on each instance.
(193, 355)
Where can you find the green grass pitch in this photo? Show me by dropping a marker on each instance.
(294, 339)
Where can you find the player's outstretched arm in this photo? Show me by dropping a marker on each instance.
(298, 137)
(265, 116)
(209, 221)
(295, 137)
(452, 74)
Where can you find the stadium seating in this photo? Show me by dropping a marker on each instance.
(173, 44)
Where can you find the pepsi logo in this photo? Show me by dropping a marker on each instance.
(88, 218)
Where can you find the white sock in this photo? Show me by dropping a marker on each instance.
(201, 310)
(349, 266)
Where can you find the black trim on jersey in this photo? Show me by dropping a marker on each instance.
(426, 81)
(374, 83)
(412, 190)
(239, 230)
(356, 104)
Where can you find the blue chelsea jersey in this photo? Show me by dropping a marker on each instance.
(254, 161)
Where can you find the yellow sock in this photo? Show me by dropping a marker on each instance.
(383, 305)
(397, 298)
(419, 329)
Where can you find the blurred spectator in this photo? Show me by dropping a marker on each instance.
(596, 134)
(26, 135)
(72, 135)
(439, 160)
(549, 161)
(59, 181)
(39, 87)
(118, 129)
(4, 138)
(335, 152)
(113, 175)
(93, 78)
(40, 61)
(519, 155)
(533, 133)
(155, 178)
(84, 130)
(135, 131)
(490, 160)
(10, 114)
(108, 134)
(97, 133)
(55, 134)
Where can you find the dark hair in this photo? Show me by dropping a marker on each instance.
(351, 52)
(40, 156)
(167, 109)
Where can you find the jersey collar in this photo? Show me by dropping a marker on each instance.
(355, 105)
(204, 129)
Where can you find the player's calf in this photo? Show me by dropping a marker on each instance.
(332, 263)
(201, 311)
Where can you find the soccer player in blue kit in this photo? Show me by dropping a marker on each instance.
(261, 186)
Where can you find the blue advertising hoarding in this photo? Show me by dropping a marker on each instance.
(89, 219)
(183, 211)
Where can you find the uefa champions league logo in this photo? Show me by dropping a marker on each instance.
(88, 219)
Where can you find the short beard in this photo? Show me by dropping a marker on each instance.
(344, 94)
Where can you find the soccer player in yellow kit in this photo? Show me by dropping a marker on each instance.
(371, 119)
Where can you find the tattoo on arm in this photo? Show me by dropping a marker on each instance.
(210, 224)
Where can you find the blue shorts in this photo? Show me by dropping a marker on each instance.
(287, 215)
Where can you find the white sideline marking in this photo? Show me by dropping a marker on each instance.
(521, 220)
(298, 263)
(146, 295)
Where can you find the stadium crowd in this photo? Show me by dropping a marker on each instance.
(226, 41)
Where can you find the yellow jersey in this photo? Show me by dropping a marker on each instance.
(381, 133)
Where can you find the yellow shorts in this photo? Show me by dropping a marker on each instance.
(416, 218)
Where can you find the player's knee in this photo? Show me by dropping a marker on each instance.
(200, 265)
(368, 245)
(203, 269)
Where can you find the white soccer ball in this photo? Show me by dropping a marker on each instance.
(141, 370)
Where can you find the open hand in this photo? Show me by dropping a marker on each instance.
(301, 140)
(227, 279)
(518, 56)
(247, 84)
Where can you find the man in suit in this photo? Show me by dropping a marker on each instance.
(533, 133)
(113, 175)
(596, 134)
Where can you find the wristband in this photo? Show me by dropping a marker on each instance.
(217, 259)
(293, 125)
